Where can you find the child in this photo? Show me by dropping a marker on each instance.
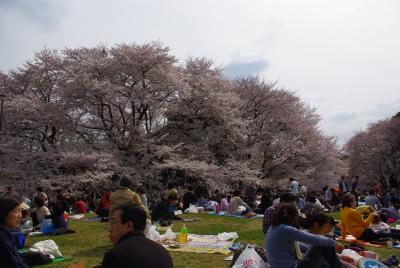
(378, 226)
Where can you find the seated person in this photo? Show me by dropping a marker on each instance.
(354, 224)
(80, 206)
(162, 210)
(235, 203)
(39, 212)
(58, 209)
(103, 208)
(202, 202)
(131, 247)
(282, 237)
(311, 206)
(189, 198)
(320, 224)
(266, 202)
(269, 214)
(224, 204)
(10, 217)
(372, 200)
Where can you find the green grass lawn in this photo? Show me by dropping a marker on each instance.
(90, 241)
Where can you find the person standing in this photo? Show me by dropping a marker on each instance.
(354, 188)
(250, 194)
(294, 186)
(393, 181)
(143, 196)
(343, 187)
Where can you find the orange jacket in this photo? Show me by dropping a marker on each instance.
(353, 223)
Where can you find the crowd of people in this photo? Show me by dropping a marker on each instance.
(298, 232)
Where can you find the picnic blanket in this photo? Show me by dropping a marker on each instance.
(204, 244)
(352, 239)
(92, 219)
(57, 260)
(222, 213)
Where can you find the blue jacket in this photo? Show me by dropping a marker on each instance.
(279, 244)
(9, 257)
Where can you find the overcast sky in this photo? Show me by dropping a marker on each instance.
(342, 57)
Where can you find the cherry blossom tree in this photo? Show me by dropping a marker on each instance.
(375, 152)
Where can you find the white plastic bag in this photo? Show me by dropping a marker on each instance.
(352, 254)
(227, 236)
(211, 205)
(153, 233)
(249, 258)
(169, 235)
(177, 212)
(47, 247)
(191, 209)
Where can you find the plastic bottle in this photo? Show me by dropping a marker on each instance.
(217, 209)
(183, 235)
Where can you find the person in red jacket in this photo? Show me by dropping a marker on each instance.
(80, 206)
(103, 208)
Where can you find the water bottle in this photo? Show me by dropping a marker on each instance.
(217, 209)
(183, 235)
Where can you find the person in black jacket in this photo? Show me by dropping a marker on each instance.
(10, 218)
(131, 247)
(162, 209)
(189, 198)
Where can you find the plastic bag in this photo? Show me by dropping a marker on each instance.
(46, 247)
(351, 254)
(227, 236)
(249, 259)
(191, 209)
(211, 205)
(47, 226)
(169, 235)
(153, 233)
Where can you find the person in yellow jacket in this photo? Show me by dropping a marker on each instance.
(354, 224)
(125, 196)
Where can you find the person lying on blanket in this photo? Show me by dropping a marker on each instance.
(379, 227)
(354, 224)
(283, 237)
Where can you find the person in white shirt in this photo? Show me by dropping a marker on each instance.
(294, 186)
(39, 212)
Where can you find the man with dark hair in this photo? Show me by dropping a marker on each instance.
(343, 187)
(189, 198)
(372, 201)
(311, 206)
(163, 211)
(285, 198)
(131, 247)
